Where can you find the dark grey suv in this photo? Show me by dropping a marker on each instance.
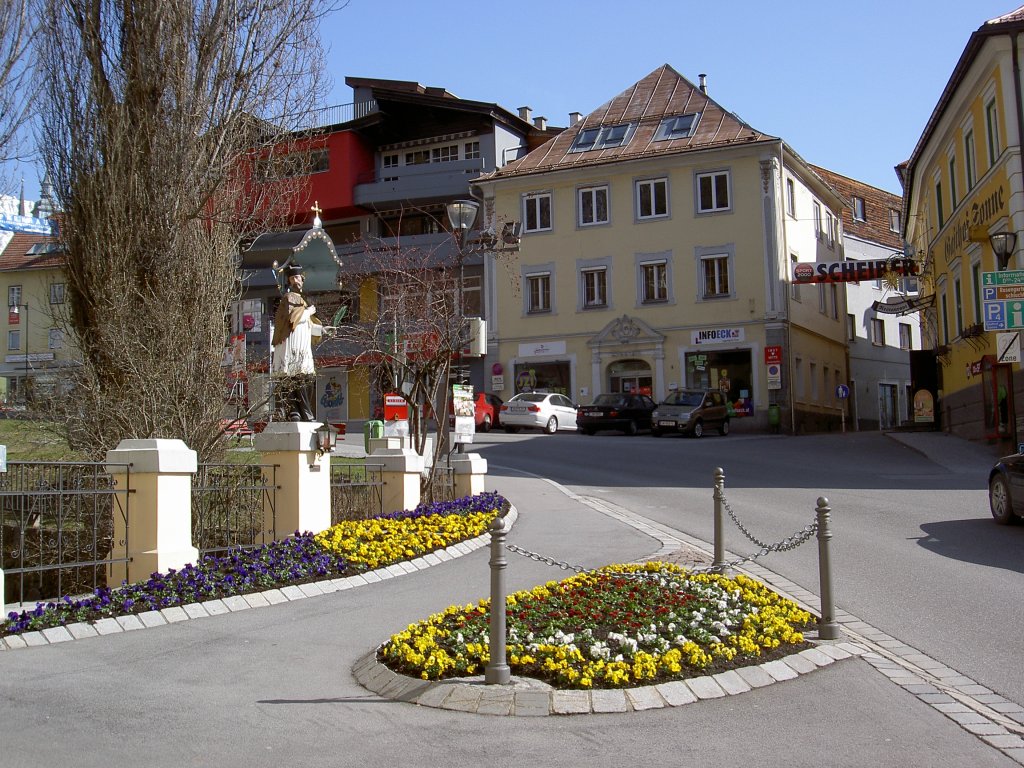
(691, 411)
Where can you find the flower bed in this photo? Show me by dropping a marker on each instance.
(346, 549)
(622, 626)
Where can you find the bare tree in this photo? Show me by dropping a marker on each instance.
(159, 122)
(16, 31)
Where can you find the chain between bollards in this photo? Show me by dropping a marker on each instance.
(828, 628)
(498, 671)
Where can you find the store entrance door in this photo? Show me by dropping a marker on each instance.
(888, 406)
(630, 377)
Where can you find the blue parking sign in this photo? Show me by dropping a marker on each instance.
(995, 317)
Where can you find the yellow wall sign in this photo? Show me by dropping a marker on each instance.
(985, 205)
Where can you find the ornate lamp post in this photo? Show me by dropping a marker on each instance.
(1003, 245)
(461, 215)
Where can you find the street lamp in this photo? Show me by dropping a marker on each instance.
(461, 215)
(1003, 244)
(15, 310)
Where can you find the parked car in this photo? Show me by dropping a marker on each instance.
(691, 411)
(625, 412)
(1006, 489)
(538, 410)
(486, 412)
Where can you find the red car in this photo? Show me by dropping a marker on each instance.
(487, 410)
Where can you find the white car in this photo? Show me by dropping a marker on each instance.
(538, 410)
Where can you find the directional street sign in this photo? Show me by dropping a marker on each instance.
(1002, 298)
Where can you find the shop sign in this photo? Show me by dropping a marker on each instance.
(852, 271)
(903, 305)
(544, 348)
(773, 354)
(986, 205)
(717, 336)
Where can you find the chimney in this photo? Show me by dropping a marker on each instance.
(703, 84)
(574, 117)
(540, 123)
(524, 113)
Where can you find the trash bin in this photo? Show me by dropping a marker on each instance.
(774, 417)
(372, 430)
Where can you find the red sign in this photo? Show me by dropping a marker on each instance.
(395, 407)
(12, 316)
(773, 355)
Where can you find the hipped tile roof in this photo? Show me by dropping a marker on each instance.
(16, 255)
(877, 203)
(662, 93)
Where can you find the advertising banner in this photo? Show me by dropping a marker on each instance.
(464, 409)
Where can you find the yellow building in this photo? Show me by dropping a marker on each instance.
(659, 235)
(962, 186)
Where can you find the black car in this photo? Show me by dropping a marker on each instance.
(1006, 489)
(626, 413)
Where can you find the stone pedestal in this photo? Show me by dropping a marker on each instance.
(401, 470)
(470, 471)
(303, 477)
(158, 524)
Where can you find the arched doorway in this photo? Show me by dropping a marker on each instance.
(630, 376)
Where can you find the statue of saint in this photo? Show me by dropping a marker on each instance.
(296, 327)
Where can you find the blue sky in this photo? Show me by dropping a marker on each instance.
(848, 86)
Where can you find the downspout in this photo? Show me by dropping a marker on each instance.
(789, 297)
(1020, 158)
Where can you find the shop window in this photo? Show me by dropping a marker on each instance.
(549, 376)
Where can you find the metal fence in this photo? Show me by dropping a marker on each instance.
(57, 527)
(441, 486)
(233, 505)
(357, 491)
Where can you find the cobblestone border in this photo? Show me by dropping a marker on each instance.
(235, 603)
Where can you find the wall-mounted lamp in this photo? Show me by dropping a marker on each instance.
(326, 439)
(1003, 244)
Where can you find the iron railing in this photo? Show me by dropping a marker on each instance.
(233, 505)
(357, 491)
(57, 527)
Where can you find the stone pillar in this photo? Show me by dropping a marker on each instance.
(470, 470)
(158, 528)
(303, 498)
(401, 471)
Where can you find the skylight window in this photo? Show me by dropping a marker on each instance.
(603, 137)
(677, 127)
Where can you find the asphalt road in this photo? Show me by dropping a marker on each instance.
(915, 552)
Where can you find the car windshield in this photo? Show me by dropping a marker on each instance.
(530, 397)
(692, 399)
(610, 400)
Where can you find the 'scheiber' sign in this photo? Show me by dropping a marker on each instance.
(852, 271)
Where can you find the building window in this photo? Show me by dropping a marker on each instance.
(444, 154)
(712, 192)
(677, 127)
(877, 332)
(851, 328)
(858, 209)
(938, 203)
(952, 182)
(945, 316)
(830, 229)
(798, 374)
(419, 157)
(655, 281)
(794, 286)
(958, 305)
(715, 272)
(651, 198)
(56, 338)
(791, 198)
(389, 161)
(538, 292)
(813, 376)
(822, 299)
(593, 206)
(906, 339)
(471, 292)
(976, 287)
(602, 137)
(970, 163)
(537, 212)
(473, 150)
(894, 220)
(595, 288)
(13, 295)
(817, 219)
(56, 293)
(992, 131)
(14, 339)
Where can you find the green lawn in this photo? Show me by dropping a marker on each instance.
(28, 440)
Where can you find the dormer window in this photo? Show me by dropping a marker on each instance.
(603, 137)
(677, 127)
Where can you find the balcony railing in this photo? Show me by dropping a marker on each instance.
(340, 113)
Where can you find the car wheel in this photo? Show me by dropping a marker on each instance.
(724, 429)
(511, 430)
(631, 428)
(552, 426)
(485, 425)
(698, 429)
(999, 501)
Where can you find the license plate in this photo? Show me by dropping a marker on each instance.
(666, 423)
(594, 413)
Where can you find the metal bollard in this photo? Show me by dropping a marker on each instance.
(719, 495)
(497, 671)
(828, 628)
